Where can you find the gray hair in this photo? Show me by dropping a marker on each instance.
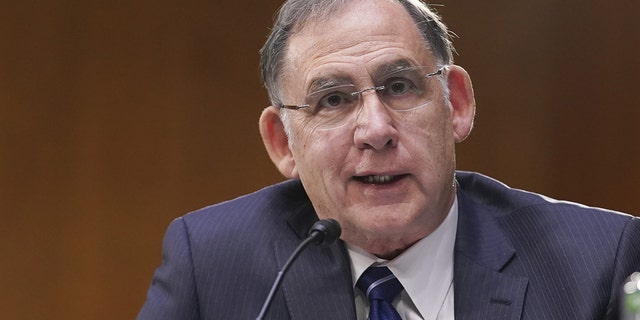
(295, 13)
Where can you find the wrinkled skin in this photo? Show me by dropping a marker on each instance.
(412, 153)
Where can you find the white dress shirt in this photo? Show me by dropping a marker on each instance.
(425, 270)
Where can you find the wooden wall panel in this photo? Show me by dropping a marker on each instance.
(117, 116)
(556, 86)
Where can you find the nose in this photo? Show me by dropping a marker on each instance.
(374, 126)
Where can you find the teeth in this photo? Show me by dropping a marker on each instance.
(377, 179)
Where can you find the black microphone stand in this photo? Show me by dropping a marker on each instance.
(323, 232)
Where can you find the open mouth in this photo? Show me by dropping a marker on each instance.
(375, 179)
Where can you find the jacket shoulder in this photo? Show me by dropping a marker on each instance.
(271, 204)
(559, 247)
(482, 190)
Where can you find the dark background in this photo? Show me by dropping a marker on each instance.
(117, 116)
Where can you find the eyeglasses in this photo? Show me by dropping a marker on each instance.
(401, 90)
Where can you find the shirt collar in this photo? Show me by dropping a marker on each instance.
(425, 269)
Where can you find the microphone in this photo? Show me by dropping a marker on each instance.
(322, 233)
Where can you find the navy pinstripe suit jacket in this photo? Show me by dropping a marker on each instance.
(518, 255)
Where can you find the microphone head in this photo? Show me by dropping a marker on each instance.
(325, 232)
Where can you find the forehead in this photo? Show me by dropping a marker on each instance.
(351, 42)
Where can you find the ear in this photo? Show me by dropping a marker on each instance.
(462, 101)
(276, 141)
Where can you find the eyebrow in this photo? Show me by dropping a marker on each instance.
(328, 82)
(321, 83)
(395, 65)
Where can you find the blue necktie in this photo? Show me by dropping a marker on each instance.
(381, 287)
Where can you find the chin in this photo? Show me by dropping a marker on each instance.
(389, 226)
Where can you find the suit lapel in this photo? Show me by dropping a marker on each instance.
(318, 284)
(482, 250)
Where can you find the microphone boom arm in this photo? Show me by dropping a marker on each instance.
(281, 273)
(322, 233)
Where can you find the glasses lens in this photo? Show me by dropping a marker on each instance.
(401, 90)
(330, 107)
(408, 88)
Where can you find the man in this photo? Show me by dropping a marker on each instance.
(367, 108)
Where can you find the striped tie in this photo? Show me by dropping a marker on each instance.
(381, 287)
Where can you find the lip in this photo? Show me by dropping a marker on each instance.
(379, 179)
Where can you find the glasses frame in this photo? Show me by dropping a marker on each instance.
(359, 93)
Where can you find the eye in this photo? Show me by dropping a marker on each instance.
(331, 100)
(398, 86)
(335, 100)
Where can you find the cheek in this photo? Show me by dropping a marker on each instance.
(318, 153)
(429, 140)
(320, 159)
(432, 126)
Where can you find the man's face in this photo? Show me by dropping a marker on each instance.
(387, 176)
